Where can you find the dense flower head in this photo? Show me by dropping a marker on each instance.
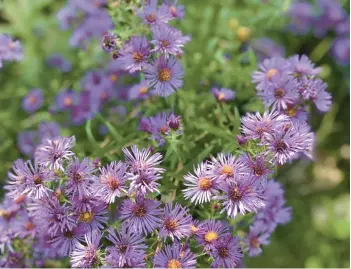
(227, 252)
(223, 94)
(164, 75)
(258, 167)
(174, 256)
(52, 153)
(33, 100)
(10, 50)
(200, 187)
(210, 231)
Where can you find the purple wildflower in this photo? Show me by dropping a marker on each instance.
(144, 182)
(302, 66)
(227, 252)
(67, 16)
(302, 16)
(60, 62)
(176, 222)
(48, 130)
(108, 42)
(80, 177)
(151, 15)
(88, 256)
(176, 11)
(266, 48)
(341, 50)
(139, 91)
(10, 50)
(95, 218)
(320, 97)
(165, 75)
(258, 167)
(27, 142)
(142, 216)
(296, 112)
(268, 69)
(167, 40)
(241, 197)
(174, 256)
(223, 94)
(127, 245)
(210, 231)
(255, 239)
(200, 188)
(111, 183)
(134, 55)
(52, 153)
(66, 99)
(32, 101)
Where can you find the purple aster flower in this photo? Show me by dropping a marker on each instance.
(174, 121)
(175, 256)
(27, 142)
(341, 50)
(111, 183)
(66, 99)
(258, 167)
(24, 226)
(268, 69)
(88, 105)
(165, 75)
(176, 11)
(241, 197)
(86, 203)
(139, 91)
(88, 256)
(279, 93)
(255, 239)
(60, 62)
(266, 48)
(141, 161)
(151, 15)
(343, 27)
(142, 216)
(32, 101)
(167, 40)
(66, 239)
(255, 126)
(109, 42)
(95, 218)
(134, 55)
(48, 130)
(134, 262)
(127, 245)
(67, 16)
(13, 260)
(49, 214)
(176, 222)
(201, 187)
(144, 182)
(223, 94)
(29, 180)
(52, 153)
(227, 252)
(10, 50)
(302, 17)
(210, 231)
(242, 140)
(305, 138)
(226, 168)
(296, 112)
(302, 66)
(80, 177)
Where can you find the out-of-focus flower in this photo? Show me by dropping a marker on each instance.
(10, 50)
(341, 50)
(223, 94)
(266, 48)
(33, 100)
(59, 62)
(153, 15)
(66, 99)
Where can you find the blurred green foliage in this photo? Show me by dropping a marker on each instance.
(318, 192)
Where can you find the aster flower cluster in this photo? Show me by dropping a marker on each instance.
(323, 17)
(156, 59)
(88, 18)
(286, 85)
(10, 50)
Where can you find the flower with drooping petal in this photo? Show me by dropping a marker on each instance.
(54, 152)
(176, 222)
(227, 252)
(241, 197)
(175, 256)
(164, 75)
(223, 94)
(80, 177)
(200, 186)
(111, 183)
(33, 100)
(141, 215)
(89, 255)
(210, 231)
(127, 245)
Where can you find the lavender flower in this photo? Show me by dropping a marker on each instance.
(302, 16)
(165, 75)
(111, 182)
(258, 167)
(134, 55)
(108, 42)
(66, 99)
(26, 142)
(176, 11)
(60, 62)
(302, 66)
(10, 50)
(167, 40)
(227, 252)
(95, 218)
(176, 222)
(241, 197)
(48, 130)
(174, 256)
(32, 101)
(144, 182)
(209, 232)
(139, 91)
(223, 94)
(341, 50)
(142, 216)
(127, 245)
(80, 177)
(255, 239)
(151, 15)
(88, 256)
(200, 188)
(266, 48)
(320, 97)
(52, 153)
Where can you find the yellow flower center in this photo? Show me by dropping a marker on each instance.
(67, 101)
(226, 169)
(113, 77)
(143, 90)
(205, 184)
(164, 75)
(171, 225)
(291, 112)
(254, 242)
(243, 33)
(210, 236)
(193, 229)
(86, 217)
(32, 99)
(151, 17)
(174, 264)
(220, 96)
(271, 72)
